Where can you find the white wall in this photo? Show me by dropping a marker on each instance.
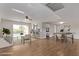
(9, 24)
(75, 30)
(51, 29)
(42, 26)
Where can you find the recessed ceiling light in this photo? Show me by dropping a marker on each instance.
(61, 22)
(16, 10)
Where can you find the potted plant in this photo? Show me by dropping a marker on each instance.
(6, 31)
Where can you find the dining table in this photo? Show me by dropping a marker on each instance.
(64, 35)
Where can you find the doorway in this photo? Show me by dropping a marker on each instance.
(18, 31)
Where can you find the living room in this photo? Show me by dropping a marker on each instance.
(39, 27)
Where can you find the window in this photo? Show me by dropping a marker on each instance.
(20, 29)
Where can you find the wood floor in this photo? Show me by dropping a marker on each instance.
(43, 47)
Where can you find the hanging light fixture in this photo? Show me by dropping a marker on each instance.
(28, 18)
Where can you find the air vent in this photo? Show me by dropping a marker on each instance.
(55, 6)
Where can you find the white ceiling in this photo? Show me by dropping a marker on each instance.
(70, 13)
(40, 12)
(36, 11)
